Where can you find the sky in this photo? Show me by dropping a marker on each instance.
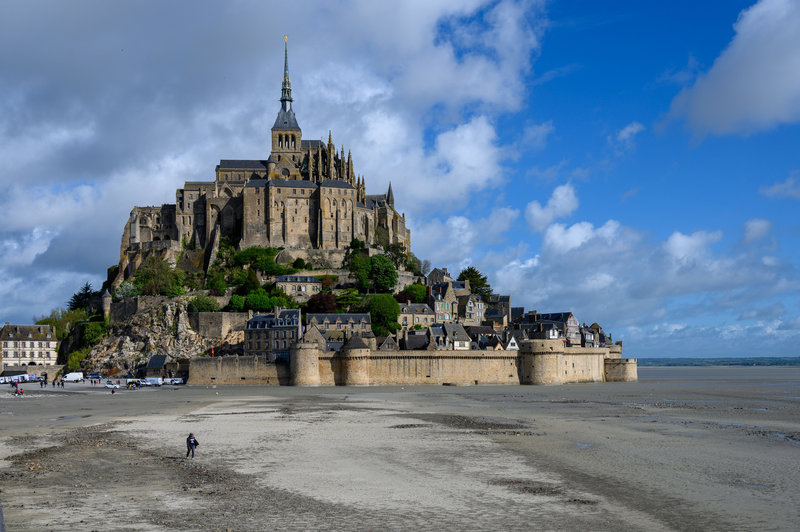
(634, 163)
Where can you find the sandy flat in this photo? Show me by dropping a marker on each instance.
(682, 449)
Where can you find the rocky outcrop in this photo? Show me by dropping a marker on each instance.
(161, 327)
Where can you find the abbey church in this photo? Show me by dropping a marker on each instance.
(303, 196)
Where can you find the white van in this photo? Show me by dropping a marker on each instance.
(75, 376)
(154, 381)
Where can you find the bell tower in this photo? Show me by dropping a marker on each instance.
(286, 134)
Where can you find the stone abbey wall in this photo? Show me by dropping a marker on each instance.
(537, 362)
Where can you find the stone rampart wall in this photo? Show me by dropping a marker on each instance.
(236, 370)
(533, 364)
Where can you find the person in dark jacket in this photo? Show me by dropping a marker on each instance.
(191, 443)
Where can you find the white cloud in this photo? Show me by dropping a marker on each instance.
(534, 137)
(787, 189)
(625, 137)
(562, 202)
(688, 248)
(454, 241)
(754, 84)
(756, 230)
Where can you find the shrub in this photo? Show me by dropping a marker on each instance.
(236, 304)
(202, 303)
(126, 289)
(299, 264)
(382, 273)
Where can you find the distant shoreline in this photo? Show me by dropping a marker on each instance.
(699, 362)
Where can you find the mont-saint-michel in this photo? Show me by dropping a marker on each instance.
(391, 292)
(283, 270)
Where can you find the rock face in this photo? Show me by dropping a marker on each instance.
(162, 328)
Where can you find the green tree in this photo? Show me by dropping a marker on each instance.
(397, 253)
(478, 283)
(202, 303)
(415, 293)
(155, 277)
(383, 310)
(348, 299)
(382, 273)
(83, 299)
(322, 303)
(215, 282)
(259, 300)
(236, 303)
(359, 267)
(299, 264)
(251, 283)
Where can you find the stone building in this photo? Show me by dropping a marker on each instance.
(303, 195)
(412, 314)
(300, 287)
(358, 324)
(272, 335)
(28, 345)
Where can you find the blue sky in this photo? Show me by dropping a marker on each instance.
(636, 163)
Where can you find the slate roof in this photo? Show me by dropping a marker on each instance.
(293, 183)
(456, 332)
(297, 279)
(558, 317)
(305, 144)
(357, 317)
(27, 332)
(415, 342)
(336, 183)
(415, 308)
(266, 321)
(286, 120)
(355, 342)
(156, 362)
(241, 164)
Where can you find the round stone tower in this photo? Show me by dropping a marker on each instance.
(106, 304)
(548, 359)
(304, 358)
(354, 359)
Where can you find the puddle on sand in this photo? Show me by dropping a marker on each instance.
(584, 445)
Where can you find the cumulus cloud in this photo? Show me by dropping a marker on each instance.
(453, 242)
(655, 293)
(754, 84)
(562, 202)
(81, 149)
(787, 189)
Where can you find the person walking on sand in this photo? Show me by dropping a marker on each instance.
(191, 443)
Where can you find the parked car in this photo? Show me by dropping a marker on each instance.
(177, 380)
(111, 384)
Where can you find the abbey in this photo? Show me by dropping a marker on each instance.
(303, 196)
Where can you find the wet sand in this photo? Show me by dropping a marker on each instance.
(682, 449)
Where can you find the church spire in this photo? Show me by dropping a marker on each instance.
(286, 87)
(390, 196)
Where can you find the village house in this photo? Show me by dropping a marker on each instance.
(272, 335)
(360, 324)
(415, 314)
(28, 345)
(442, 299)
(300, 287)
(471, 309)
